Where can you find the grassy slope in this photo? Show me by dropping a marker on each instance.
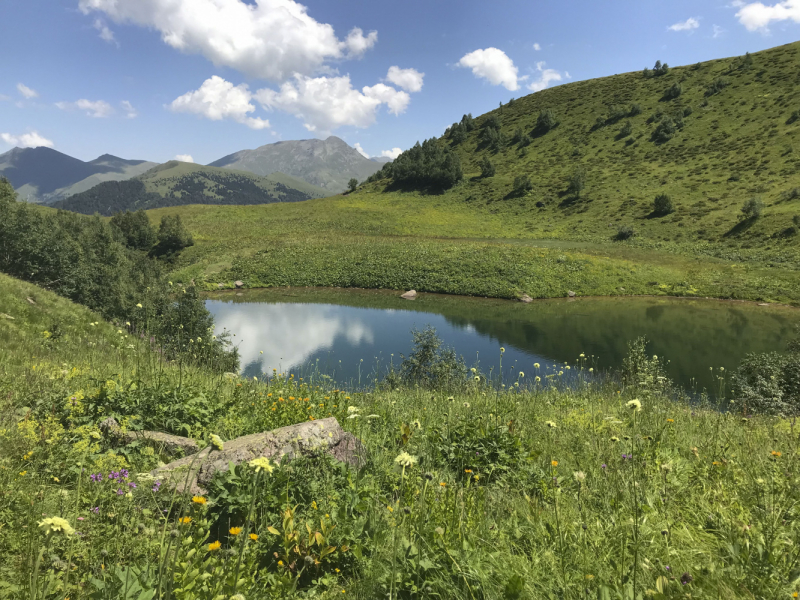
(559, 519)
(736, 146)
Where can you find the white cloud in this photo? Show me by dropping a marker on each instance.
(758, 16)
(94, 108)
(26, 140)
(408, 79)
(130, 112)
(105, 33)
(184, 158)
(493, 65)
(718, 31)
(687, 25)
(361, 151)
(537, 47)
(4, 98)
(218, 99)
(393, 153)
(545, 77)
(326, 103)
(269, 39)
(26, 91)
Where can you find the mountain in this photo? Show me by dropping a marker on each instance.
(381, 159)
(177, 183)
(329, 163)
(46, 175)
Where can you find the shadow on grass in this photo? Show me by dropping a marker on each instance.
(740, 228)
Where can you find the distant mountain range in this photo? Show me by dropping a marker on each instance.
(329, 163)
(176, 183)
(46, 175)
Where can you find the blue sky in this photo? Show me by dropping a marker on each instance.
(156, 79)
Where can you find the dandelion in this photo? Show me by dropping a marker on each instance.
(199, 500)
(670, 420)
(502, 350)
(551, 424)
(56, 525)
(254, 536)
(467, 470)
(538, 379)
(235, 530)
(634, 405)
(185, 520)
(553, 463)
(404, 459)
(216, 441)
(214, 546)
(261, 463)
(775, 453)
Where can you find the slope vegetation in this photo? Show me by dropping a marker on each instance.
(177, 183)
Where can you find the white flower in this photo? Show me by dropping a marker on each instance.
(351, 410)
(261, 462)
(551, 424)
(579, 476)
(634, 405)
(404, 459)
(56, 525)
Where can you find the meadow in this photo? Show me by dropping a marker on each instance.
(520, 488)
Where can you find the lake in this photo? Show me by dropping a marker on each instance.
(352, 334)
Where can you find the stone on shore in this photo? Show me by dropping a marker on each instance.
(409, 295)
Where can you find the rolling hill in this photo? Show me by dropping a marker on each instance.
(329, 163)
(46, 175)
(176, 183)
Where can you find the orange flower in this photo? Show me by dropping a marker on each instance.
(467, 470)
(443, 484)
(554, 463)
(775, 453)
(670, 420)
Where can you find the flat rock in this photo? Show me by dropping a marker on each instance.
(304, 439)
(238, 283)
(763, 304)
(166, 442)
(220, 285)
(571, 294)
(526, 299)
(409, 295)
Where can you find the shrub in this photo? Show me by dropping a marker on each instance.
(426, 165)
(522, 185)
(518, 133)
(546, 121)
(352, 184)
(626, 129)
(431, 366)
(643, 372)
(525, 140)
(487, 168)
(795, 116)
(662, 205)
(647, 73)
(664, 131)
(467, 122)
(687, 111)
(673, 91)
(716, 86)
(752, 208)
(577, 182)
(172, 236)
(135, 229)
(636, 109)
(625, 232)
(768, 384)
(615, 113)
(492, 122)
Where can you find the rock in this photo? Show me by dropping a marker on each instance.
(409, 295)
(165, 442)
(31, 300)
(239, 294)
(763, 304)
(304, 439)
(622, 289)
(5, 316)
(220, 285)
(238, 284)
(526, 299)
(571, 294)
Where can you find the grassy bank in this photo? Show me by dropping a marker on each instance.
(517, 492)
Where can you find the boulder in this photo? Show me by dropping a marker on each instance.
(409, 295)
(165, 442)
(526, 299)
(304, 439)
(238, 283)
(571, 294)
(220, 285)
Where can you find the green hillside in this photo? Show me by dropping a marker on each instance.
(177, 183)
(734, 141)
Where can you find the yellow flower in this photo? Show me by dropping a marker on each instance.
(280, 563)
(56, 524)
(261, 463)
(554, 463)
(216, 441)
(390, 509)
(199, 499)
(214, 546)
(254, 536)
(467, 470)
(443, 484)
(551, 424)
(775, 453)
(185, 520)
(634, 405)
(536, 365)
(139, 306)
(670, 420)
(235, 530)
(23, 473)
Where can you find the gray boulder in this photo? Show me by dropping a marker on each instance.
(304, 439)
(169, 444)
(526, 299)
(409, 295)
(571, 294)
(238, 284)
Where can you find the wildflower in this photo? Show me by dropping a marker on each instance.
(589, 577)
(439, 531)
(237, 597)
(235, 530)
(185, 520)
(775, 453)
(214, 546)
(560, 373)
(404, 459)
(502, 349)
(477, 377)
(390, 509)
(535, 365)
(351, 410)
(670, 420)
(139, 305)
(280, 563)
(553, 463)
(666, 467)
(254, 536)
(443, 484)
(603, 466)
(551, 424)
(634, 405)
(538, 379)
(715, 463)
(261, 463)
(216, 441)
(579, 476)
(591, 370)
(467, 470)
(199, 499)
(466, 404)
(23, 473)
(417, 424)
(521, 374)
(473, 369)
(55, 525)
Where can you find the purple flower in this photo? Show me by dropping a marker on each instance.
(96, 510)
(124, 473)
(132, 485)
(120, 492)
(603, 466)
(667, 567)
(156, 486)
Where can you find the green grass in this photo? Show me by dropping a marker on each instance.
(734, 145)
(494, 503)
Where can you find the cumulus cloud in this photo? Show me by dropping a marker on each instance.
(537, 47)
(361, 151)
(130, 112)
(493, 65)
(268, 39)
(98, 109)
(393, 153)
(184, 158)
(718, 31)
(758, 16)
(545, 77)
(105, 33)
(326, 103)
(26, 91)
(26, 140)
(218, 99)
(408, 79)
(687, 25)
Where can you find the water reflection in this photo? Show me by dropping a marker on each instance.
(345, 333)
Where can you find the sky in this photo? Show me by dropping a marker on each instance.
(200, 79)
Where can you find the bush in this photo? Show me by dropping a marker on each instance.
(768, 384)
(687, 111)
(716, 86)
(135, 229)
(522, 185)
(487, 168)
(431, 366)
(577, 182)
(752, 208)
(795, 116)
(673, 92)
(625, 232)
(352, 184)
(664, 131)
(172, 236)
(525, 140)
(662, 205)
(626, 129)
(636, 109)
(426, 165)
(546, 121)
